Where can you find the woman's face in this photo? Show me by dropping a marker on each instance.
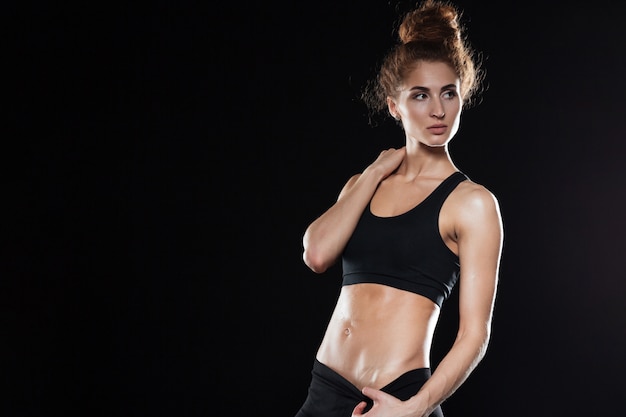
(429, 104)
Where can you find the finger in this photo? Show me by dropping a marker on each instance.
(372, 393)
(358, 410)
(369, 392)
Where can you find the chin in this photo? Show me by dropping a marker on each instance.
(434, 144)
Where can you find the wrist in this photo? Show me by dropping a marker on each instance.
(374, 172)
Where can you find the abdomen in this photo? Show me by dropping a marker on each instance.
(376, 333)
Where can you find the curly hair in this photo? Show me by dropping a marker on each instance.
(430, 32)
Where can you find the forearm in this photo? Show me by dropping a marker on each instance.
(327, 236)
(466, 353)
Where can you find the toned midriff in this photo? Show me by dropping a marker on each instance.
(376, 333)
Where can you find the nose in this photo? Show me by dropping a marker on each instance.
(437, 111)
(439, 115)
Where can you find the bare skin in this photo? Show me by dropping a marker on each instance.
(372, 347)
(377, 333)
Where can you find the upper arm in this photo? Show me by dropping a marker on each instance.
(480, 240)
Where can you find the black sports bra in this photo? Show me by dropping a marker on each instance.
(405, 251)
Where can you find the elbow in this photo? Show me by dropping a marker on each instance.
(482, 342)
(482, 350)
(315, 255)
(477, 341)
(316, 262)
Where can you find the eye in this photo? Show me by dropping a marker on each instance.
(419, 96)
(450, 94)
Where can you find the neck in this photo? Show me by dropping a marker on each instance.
(427, 161)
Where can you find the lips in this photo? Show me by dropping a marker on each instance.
(437, 129)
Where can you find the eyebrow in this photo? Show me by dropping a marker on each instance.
(420, 88)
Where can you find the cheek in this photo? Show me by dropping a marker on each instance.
(456, 123)
(454, 107)
(415, 109)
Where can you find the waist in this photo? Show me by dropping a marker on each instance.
(378, 332)
(402, 387)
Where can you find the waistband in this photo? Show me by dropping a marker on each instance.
(415, 376)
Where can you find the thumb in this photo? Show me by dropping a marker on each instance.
(372, 393)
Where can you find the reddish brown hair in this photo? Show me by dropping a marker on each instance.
(430, 32)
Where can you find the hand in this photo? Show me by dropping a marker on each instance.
(389, 160)
(385, 405)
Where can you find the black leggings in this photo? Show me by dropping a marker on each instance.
(331, 395)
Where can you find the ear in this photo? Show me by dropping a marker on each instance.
(393, 108)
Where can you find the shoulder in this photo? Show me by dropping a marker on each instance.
(474, 203)
(470, 193)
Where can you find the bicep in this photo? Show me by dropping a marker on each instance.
(480, 239)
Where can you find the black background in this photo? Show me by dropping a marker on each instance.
(164, 159)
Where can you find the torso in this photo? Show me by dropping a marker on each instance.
(376, 333)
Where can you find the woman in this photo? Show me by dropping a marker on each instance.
(408, 229)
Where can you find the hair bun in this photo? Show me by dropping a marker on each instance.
(430, 23)
(432, 32)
